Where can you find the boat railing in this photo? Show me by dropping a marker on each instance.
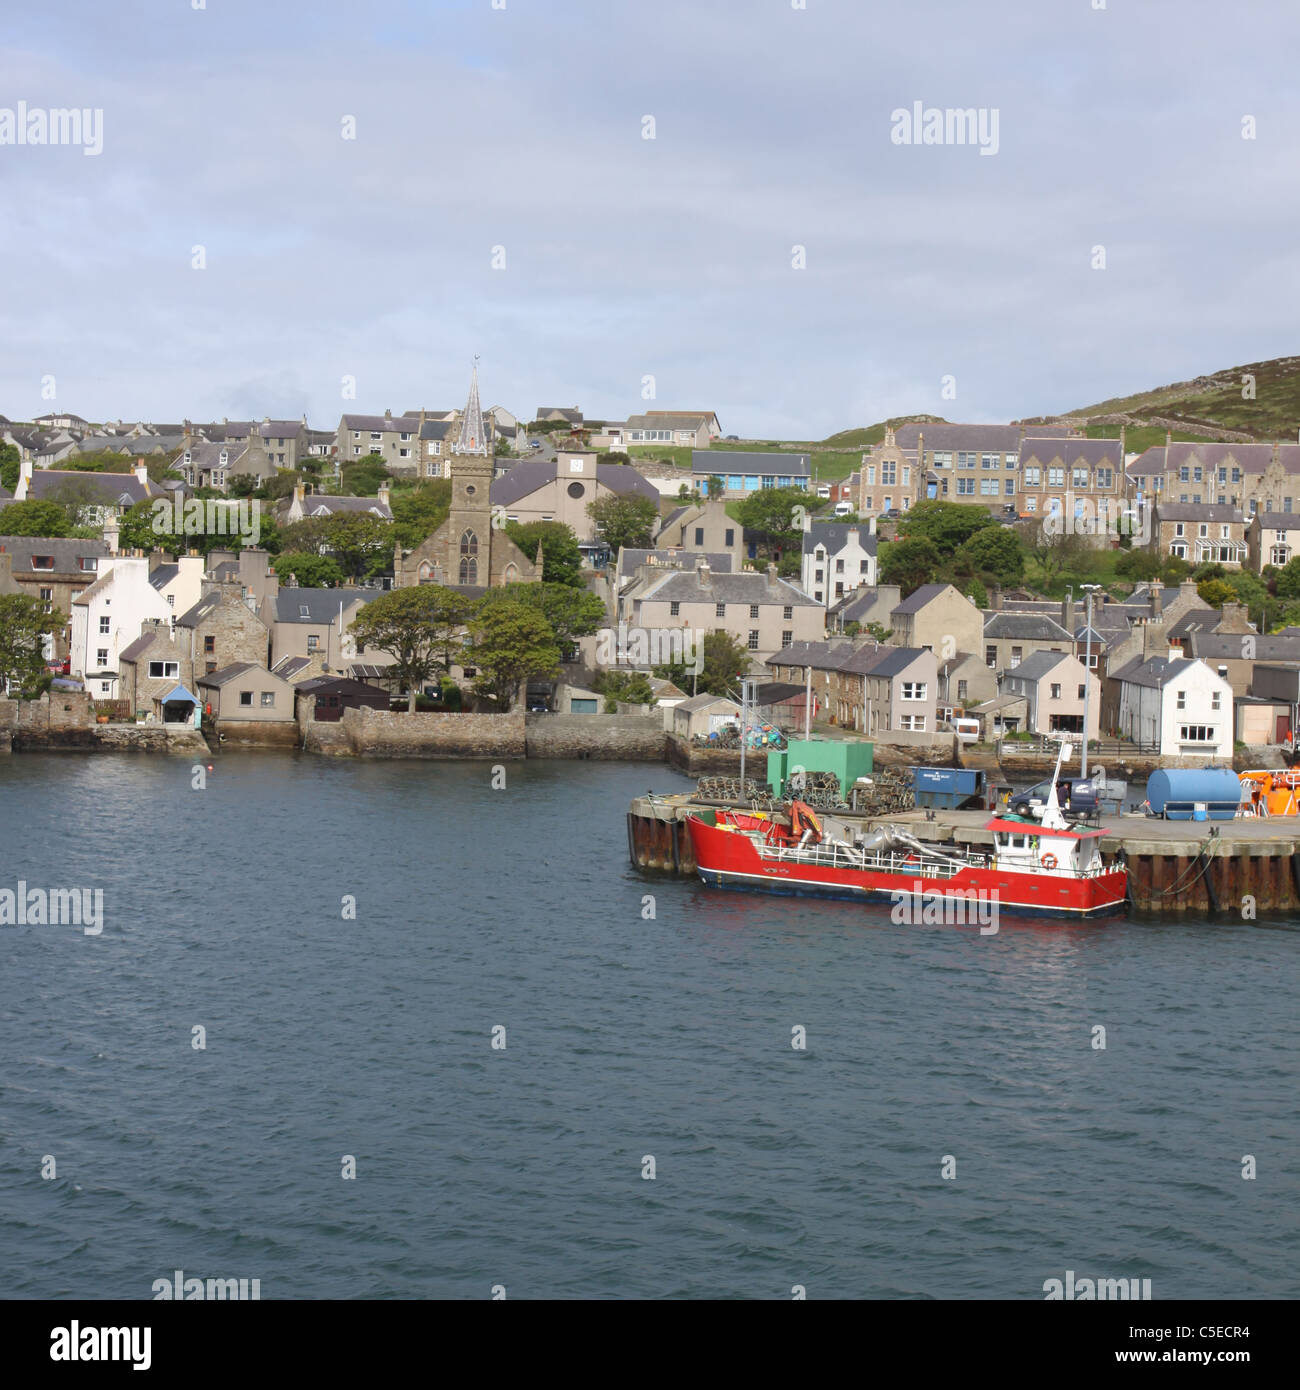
(841, 856)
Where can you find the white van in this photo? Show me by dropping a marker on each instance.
(844, 509)
(967, 730)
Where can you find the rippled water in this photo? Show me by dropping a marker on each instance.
(626, 1037)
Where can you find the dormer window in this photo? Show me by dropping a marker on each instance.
(188, 457)
(225, 457)
(89, 564)
(42, 562)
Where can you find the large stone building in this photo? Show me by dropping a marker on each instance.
(1074, 477)
(561, 489)
(1253, 477)
(1200, 533)
(467, 551)
(52, 571)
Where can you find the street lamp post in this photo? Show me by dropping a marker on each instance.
(1090, 589)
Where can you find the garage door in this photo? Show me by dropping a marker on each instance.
(582, 706)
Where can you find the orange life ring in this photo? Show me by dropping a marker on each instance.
(1048, 861)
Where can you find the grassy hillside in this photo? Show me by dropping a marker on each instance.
(1217, 401)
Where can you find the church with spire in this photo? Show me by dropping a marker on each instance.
(466, 551)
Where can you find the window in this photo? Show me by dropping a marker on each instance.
(787, 637)
(103, 626)
(1017, 655)
(913, 690)
(914, 723)
(1214, 700)
(209, 644)
(47, 599)
(871, 475)
(965, 487)
(1033, 477)
(1197, 476)
(1056, 692)
(1011, 487)
(1204, 530)
(313, 642)
(888, 473)
(42, 562)
(1056, 477)
(89, 564)
(990, 656)
(164, 670)
(1197, 733)
(674, 610)
(961, 691)
(1178, 529)
(1280, 555)
(268, 699)
(1105, 479)
(101, 656)
(753, 640)
(942, 458)
(1182, 699)
(1178, 549)
(988, 487)
(988, 460)
(1184, 475)
(720, 610)
(246, 697)
(1031, 504)
(819, 575)
(1079, 477)
(730, 537)
(965, 459)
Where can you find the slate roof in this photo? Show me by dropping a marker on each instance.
(1035, 667)
(999, 439)
(1228, 646)
(113, 489)
(842, 654)
(402, 424)
(322, 605)
(669, 420)
(834, 536)
(1199, 511)
(526, 477)
(683, 586)
(318, 504)
(705, 462)
(1155, 672)
(143, 643)
(1071, 452)
(67, 553)
(289, 666)
(918, 598)
(163, 575)
(228, 673)
(1029, 627)
(572, 415)
(1277, 521)
(718, 561)
(1250, 458)
(704, 701)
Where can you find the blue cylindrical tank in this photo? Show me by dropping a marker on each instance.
(1174, 791)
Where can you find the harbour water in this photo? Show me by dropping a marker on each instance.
(643, 1020)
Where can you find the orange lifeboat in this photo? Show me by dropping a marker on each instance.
(1268, 792)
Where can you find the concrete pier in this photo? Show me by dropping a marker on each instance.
(1175, 867)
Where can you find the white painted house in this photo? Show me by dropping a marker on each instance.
(109, 615)
(1183, 707)
(838, 558)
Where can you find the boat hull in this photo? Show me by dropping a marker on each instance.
(729, 860)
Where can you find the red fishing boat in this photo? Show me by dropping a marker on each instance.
(1045, 868)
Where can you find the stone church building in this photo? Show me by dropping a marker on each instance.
(467, 551)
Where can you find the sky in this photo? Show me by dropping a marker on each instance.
(297, 200)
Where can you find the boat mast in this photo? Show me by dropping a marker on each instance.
(1052, 817)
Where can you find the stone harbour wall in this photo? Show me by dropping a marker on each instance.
(632, 738)
(369, 733)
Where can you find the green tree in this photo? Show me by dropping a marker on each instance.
(724, 662)
(977, 594)
(775, 515)
(948, 525)
(10, 466)
(1216, 593)
(361, 543)
(994, 552)
(715, 486)
(243, 485)
(364, 477)
(879, 631)
(624, 519)
(23, 625)
(312, 571)
(509, 644)
(561, 558)
(419, 511)
(909, 563)
(1138, 566)
(632, 687)
(571, 613)
(1287, 583)
(416, 627)
(34, 518)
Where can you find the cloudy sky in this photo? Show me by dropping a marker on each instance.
(522, 128)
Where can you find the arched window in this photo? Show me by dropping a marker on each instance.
(512, 573)
(468, 571)
(469, 543)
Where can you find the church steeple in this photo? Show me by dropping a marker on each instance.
(472, 439)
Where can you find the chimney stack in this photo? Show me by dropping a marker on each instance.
(384, 494)
(703, 574)
(1157, 599)
(995, 598)
(141, 472)
(1067, 613)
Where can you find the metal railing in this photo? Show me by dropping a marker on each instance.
(839, 856)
